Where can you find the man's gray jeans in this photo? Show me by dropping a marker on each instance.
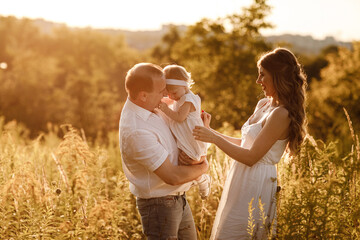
(167, 217)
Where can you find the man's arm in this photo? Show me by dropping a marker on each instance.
(145, 149)
(176, 175)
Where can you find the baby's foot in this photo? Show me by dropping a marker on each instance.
(204, 186)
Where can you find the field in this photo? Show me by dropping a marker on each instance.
(64, 182)
(68, 188)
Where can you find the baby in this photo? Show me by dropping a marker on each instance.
(185, 115)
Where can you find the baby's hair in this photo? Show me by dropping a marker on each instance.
(179, 73)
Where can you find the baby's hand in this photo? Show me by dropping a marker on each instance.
(163, 106)
(206, 117)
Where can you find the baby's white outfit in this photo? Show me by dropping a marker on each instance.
(183, 130)
(186, 141)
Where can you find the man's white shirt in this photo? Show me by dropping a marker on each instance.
(145, 142)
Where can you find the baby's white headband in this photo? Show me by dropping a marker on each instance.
(177, 82)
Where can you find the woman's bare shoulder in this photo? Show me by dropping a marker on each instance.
(281, 114)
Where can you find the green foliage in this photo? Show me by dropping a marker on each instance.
(314, 64)
(319, 198)
(71, 76)
(338, 88)
(162, 53)
(221, 56)
(56, 188)
(76, 76)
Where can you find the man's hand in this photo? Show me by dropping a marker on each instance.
(186, 160)
(175, 175)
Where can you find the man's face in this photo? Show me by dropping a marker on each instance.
(159, 91)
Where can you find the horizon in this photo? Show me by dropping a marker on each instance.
(335, 21)
(168, 24)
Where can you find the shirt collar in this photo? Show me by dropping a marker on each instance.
(141, 112)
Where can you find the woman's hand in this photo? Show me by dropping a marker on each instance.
(204, 134)
(206, 117)
(186, 160)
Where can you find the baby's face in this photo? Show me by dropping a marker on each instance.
(175, 92)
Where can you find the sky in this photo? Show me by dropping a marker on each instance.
(318, 18)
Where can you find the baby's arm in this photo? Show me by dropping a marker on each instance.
(167, 100)
(178, 116)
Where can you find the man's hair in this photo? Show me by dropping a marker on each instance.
(140, 78)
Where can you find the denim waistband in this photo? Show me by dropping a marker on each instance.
(177, 194)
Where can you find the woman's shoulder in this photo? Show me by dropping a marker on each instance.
(280, 114)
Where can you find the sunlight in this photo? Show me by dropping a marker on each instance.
(63, 93)
(3, 65)
(131, 15)
(305, 17)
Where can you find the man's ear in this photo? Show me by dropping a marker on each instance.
(143, 96)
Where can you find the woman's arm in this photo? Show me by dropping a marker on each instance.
(275, 127)
(178, 116)
(236, 141)
(206, 117)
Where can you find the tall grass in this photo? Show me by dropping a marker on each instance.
(320, 194)
(68, 188)
(62, 189)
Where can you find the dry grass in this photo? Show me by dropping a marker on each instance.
(52, 188)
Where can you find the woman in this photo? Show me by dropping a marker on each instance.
(278, 123)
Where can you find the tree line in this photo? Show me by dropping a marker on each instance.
(77, 75)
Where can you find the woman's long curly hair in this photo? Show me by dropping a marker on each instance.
(290, 85)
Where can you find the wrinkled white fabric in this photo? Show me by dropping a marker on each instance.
(145, 143)
(183, 130)
(244, 183)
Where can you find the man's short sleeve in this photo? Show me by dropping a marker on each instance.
(144, 147)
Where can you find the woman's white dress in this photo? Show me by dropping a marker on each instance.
(183, 130)
(244, 183)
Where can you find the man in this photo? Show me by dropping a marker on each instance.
(150, 158)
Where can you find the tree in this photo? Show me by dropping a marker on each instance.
(339, 88)
(314, 64)
(221, 55)
(162, 52)
(71, 76)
